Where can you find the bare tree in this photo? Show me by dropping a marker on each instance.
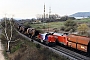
(6, 34)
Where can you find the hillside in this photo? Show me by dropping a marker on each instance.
(81, 14)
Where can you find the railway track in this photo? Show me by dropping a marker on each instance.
(62, 51)
(69, 53)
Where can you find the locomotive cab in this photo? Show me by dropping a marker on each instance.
(47, 38)
(51, 40)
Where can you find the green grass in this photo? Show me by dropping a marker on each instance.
(57, 25)
(84, 20)
(46, 25)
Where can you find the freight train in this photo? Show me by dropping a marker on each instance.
(71, 40)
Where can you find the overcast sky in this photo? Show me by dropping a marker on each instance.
(30, 8)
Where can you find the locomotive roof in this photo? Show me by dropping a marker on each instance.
(59, 34)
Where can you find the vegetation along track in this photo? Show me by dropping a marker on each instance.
(70, 53)
(62, 51)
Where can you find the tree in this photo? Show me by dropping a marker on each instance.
(64, 18)
(7, 25)
(82, 28)
(70, 25)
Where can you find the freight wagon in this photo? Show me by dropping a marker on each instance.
(79, 42)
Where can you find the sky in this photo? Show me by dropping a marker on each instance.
(31, 8)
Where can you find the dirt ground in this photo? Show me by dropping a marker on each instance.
(1, 50)
(1, 54)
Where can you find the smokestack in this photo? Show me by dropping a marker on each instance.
(44, 12)
(49, 12)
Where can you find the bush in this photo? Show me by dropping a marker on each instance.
(70, 26)
(43, 27)
(67, 29)
(55, 30)
(70, 23)
(62, 28)
(82, 28)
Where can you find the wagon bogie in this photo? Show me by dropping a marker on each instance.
(52, 44)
